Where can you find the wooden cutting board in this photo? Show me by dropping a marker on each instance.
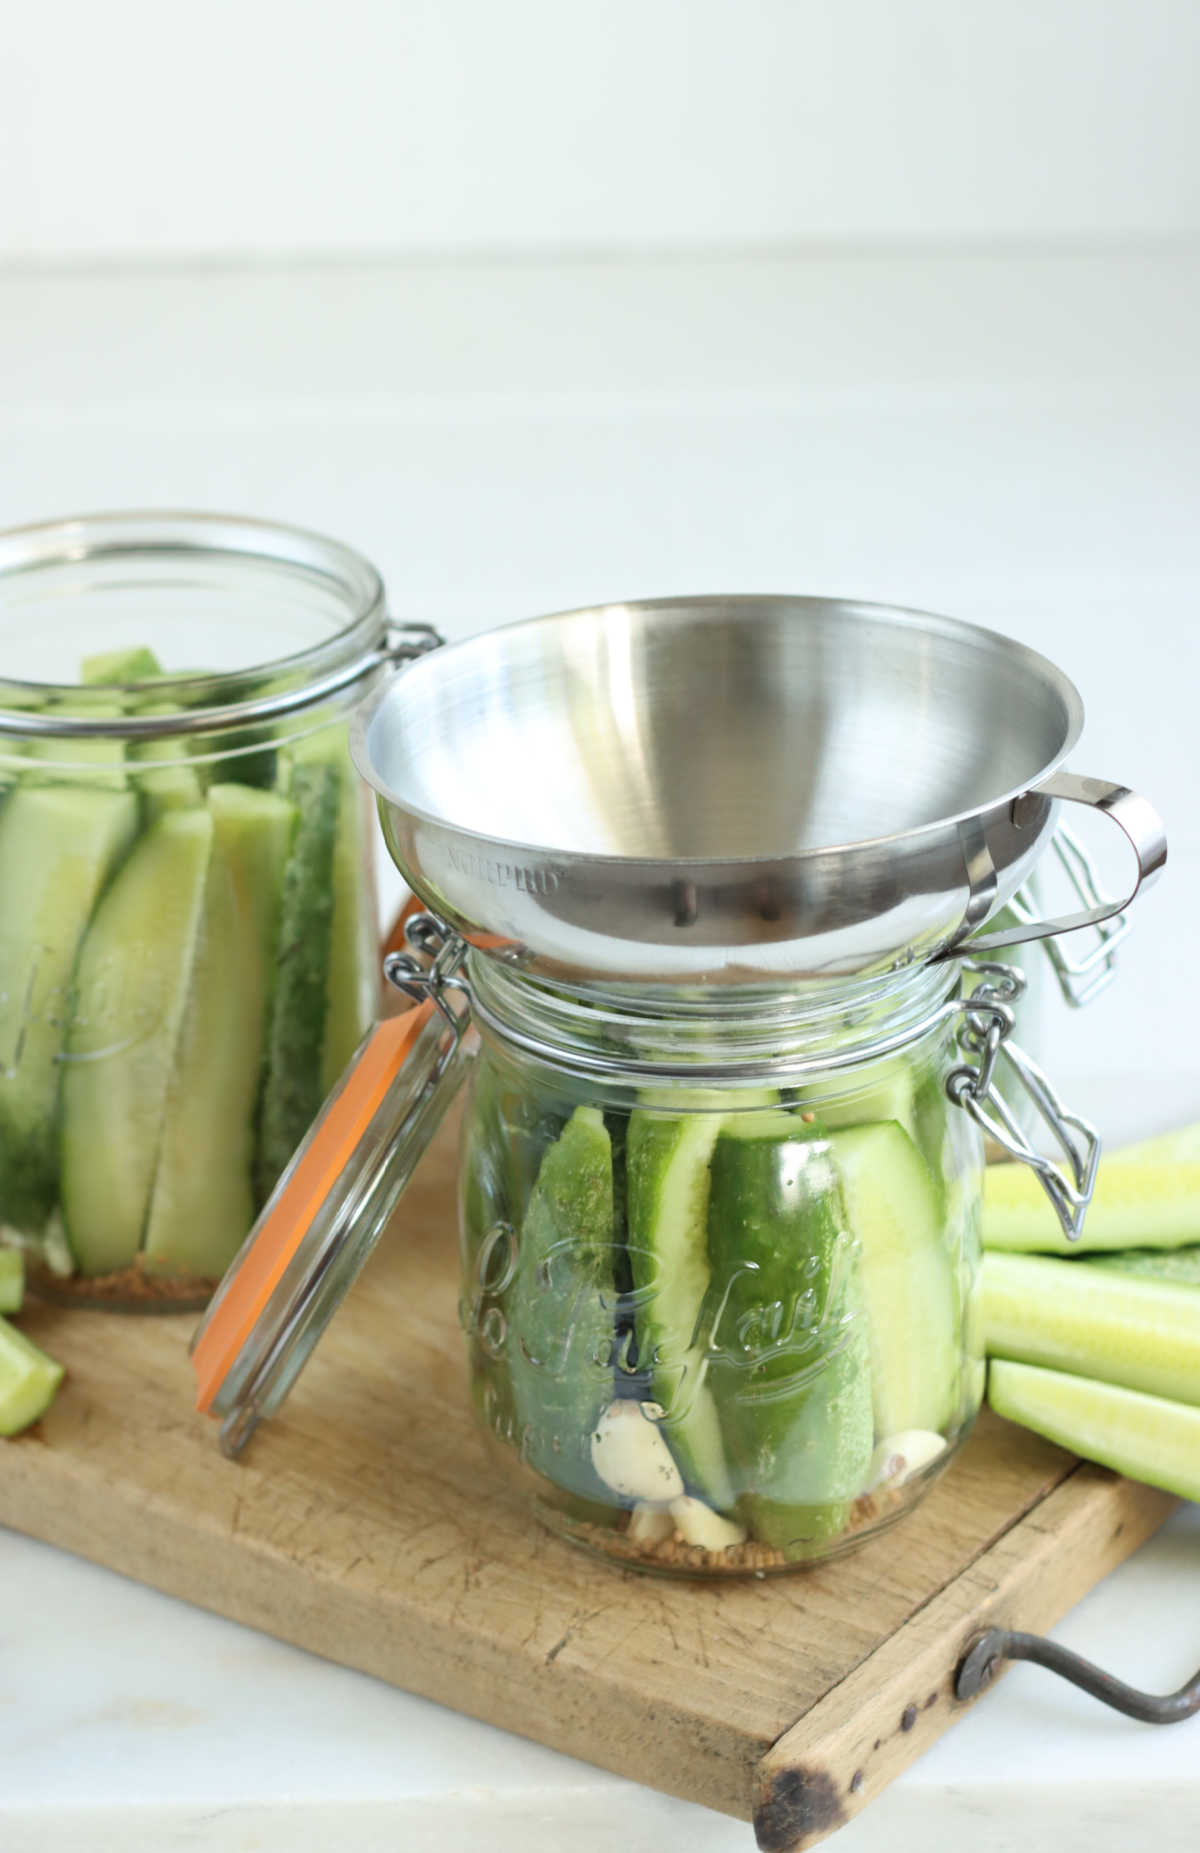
(367, 1523)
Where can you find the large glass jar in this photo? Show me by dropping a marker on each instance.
(722, 1161)
(718, 1261)
(188, 931)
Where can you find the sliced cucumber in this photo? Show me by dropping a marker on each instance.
(95, 761)
(121, 668)
(907, 1276)
(162, 769)
(293, 1088)
(790, 1367)
(132, 981)
(883, 1091)
(1142, 1333)
(771, 1122)
(28, 1380)
(14, 748)
(934, 1138)
(12, 1280)
(59, 845)
(560, 1307)
(1146, 1437)
(667, 1177)
(1148, 1205)
(1181, 1265)
(200, 1210)
(1182, 1146)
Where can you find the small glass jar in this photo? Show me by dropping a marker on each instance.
(719, 1264)
(188, 923)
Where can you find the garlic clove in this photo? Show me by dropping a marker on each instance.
(897, 1458)
(650, 1524)
(631, 1456)
(699, 1524)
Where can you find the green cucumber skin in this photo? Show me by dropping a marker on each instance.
(1135, 1205)
(486, 1219)
(1181, 1265)
(1147, 1438)
(908, 1285)
(1143, 1334)
(131, 984)
(59, 847)
(29, 1380)
(668, 1183)
(293, 1088)
(508, 1127)
(352, 999)
(352, 983)
(12, 1280)
(559, 1308)
(200, 1211)
(253, 765)
(791, 1362)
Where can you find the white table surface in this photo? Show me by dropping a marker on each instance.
(1011, 437)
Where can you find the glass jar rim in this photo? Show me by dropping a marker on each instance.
(218, 698)
(743, 1036)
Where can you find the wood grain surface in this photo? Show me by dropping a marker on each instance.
(369, 1523)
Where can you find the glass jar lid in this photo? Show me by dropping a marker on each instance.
(324, 1218)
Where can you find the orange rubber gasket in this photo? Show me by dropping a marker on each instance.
(289, 1216)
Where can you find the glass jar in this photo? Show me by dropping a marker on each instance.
(721, 1169)
(720, 1324)
(188, 930)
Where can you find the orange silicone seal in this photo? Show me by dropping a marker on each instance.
(289, 1215)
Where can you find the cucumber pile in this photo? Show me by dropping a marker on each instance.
(29, 1379)
(187, 961)
(713, 1322)
(1101, 1352)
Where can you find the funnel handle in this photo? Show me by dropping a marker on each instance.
(1132, 814)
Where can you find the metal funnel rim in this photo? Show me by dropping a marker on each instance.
(960, 629)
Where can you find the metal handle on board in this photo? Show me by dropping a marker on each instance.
(982, 1659)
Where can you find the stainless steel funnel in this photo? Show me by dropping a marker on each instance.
(730, 790)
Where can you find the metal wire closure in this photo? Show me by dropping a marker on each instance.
(980, 1663)
(432, 968)
(1083, 976)
(985, 1032)
(402, 643)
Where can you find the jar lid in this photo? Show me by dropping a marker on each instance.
(324, 1218)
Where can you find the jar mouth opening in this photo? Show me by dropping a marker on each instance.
(156, 553)
(742, 1036)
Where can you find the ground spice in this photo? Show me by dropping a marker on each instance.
(747, 1558)
(128, 1289)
